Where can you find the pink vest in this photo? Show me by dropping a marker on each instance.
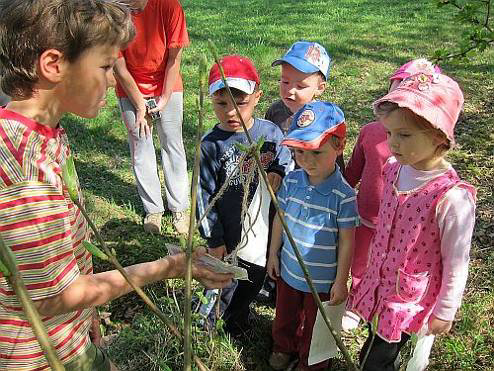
(404, 273)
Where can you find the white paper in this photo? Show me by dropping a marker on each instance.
(213, 263)
(421, 352)
(323, 346)
(257, 238)
(220, 266)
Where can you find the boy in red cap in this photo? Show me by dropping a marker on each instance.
(223, 227)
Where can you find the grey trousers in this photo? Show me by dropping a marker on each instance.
(173, 158)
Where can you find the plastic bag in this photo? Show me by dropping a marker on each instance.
(421, 352)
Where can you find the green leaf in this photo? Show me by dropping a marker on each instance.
(242, 147)
(69, 177)
(260, 144)
(375, 323)
(95, 251)
(3, 268)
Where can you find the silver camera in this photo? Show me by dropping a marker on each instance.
(150, 104)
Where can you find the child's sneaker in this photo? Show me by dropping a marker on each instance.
(349, 321)
(279, 361)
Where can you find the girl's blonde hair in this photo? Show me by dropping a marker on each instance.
(383, 109)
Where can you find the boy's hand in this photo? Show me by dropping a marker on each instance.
(274, 180)
(273, 266)
(338, 293)
(218, 252)
(207, 277)
(438, 326)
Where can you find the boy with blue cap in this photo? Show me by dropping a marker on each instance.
(320, 210)
(305, 70)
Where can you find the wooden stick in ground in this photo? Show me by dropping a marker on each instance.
(274, 200)
(30, 311)
(193, 197)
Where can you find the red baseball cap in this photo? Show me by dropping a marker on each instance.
(240, 73)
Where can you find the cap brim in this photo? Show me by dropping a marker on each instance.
(297, 63)
(247, 86)
(305, 139)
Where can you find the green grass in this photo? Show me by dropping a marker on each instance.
(367, 39)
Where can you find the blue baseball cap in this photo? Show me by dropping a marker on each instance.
(307, 57)
(313, 124)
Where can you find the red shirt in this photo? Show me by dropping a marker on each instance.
(159, 27)
(366, 165)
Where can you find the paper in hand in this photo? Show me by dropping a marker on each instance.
(220, 266)
(323, 346)
(213, 264)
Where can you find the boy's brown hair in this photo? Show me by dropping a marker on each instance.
(29, 27)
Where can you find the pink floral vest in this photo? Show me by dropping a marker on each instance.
(404, 272)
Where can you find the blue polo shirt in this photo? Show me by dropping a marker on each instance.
(314, 215)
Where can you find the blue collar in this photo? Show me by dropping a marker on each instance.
(324, 188)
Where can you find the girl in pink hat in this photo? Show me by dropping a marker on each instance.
(418, 261)
(365, 168)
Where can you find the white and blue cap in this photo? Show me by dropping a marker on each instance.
(313, 124)
(307, 57)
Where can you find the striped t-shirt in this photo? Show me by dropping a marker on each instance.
(314, 215)
(44, 229)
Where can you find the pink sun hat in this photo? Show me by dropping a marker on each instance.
(435, 97)
(413, 67)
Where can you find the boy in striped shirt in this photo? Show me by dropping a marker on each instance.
(57, 56)
(320, 210)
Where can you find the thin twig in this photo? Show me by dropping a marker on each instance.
(367, 351)
(222, 190)
(195, 181)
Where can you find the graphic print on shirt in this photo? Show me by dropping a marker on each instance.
(232, 156)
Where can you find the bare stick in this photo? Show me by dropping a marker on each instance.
(317, 299)
(39, 329)
(195, 181)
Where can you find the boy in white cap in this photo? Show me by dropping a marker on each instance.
(320, 210)
(222, 228)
